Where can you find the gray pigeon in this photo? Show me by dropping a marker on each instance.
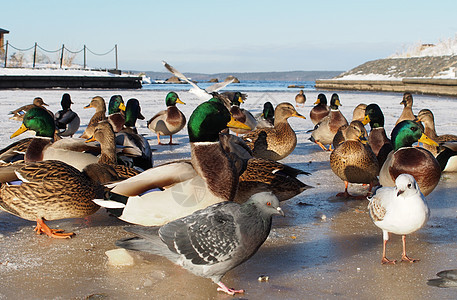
(211, 241)
(447, 278)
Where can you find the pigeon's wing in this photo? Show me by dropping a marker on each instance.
(179, 75)
(206, 237)
(218, 86)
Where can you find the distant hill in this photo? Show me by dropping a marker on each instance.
(261, 76)
(416, 67)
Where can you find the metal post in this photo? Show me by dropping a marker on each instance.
(6, 52)
(61, 56)
(34, 55)
(84, 57)
(115, 51)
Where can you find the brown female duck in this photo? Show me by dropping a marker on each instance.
(278, 142)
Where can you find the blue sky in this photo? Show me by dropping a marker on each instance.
(230, 36)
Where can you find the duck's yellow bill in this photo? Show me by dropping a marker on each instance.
(296, 114)
(88, 106)
(240, 99)
(318, 101)
(426, 140)
(180, 101)
(122, 106)
(366, 120)
(337, 102)
(237, 124)
(91, 139)
(21, 130)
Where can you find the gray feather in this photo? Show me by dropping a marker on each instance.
(213, 240)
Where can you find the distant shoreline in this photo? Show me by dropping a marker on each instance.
(253, 76)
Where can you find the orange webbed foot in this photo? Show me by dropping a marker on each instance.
(41, 228)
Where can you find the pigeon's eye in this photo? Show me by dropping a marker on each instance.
(269, 203)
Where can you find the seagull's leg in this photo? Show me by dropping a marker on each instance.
(384, 259)
(158, 140)
(41, 227)
(404, 257)
(223, 288)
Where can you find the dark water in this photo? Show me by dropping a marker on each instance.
(244, 86)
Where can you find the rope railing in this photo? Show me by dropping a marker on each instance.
(5, 47)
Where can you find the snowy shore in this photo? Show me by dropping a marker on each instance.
(325, 247)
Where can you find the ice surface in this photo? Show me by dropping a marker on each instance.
(306, 256)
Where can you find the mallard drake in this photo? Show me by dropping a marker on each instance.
(135, 147)
(359, 112)
(132, 114)
(116, 109)
(186, 186)
(67, 121)
(267, 118)
(353, 160)
(416, 161)
(300, 98)
(19, 113)
(325, 130)
(320, 110)
(46, 145)
(377, 139)
(169, 121)
(278, 142)
(241, 114)
(407, 113)
(48, 190)
(100, 114)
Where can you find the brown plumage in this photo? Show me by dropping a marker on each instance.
(320, 110)
(100, 114)
(380, 144)
(407, 113)
(359, 112)
(353, 160)
(325, 130)
(51, 190)
(416, 161)
(19, 113)
(278, 142)
(300, 98)
(340, 136)
(426, 117)
(107, 169)
(267, 175)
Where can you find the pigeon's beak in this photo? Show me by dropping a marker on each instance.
(280, 211)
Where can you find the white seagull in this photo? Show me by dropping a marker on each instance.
(400, 210)
(203, 94)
